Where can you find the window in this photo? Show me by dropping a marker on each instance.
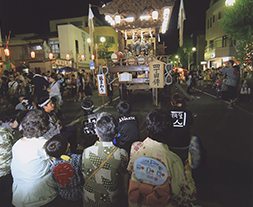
(207, 24)
(211, 45)
(210, 22)
(224, 41)
(54, 45)
(77, 49)
(36, 47)
(219, 15)
(213, 18)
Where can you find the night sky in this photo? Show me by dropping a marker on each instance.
(32, 16)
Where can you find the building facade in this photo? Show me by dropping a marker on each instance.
(220, 47)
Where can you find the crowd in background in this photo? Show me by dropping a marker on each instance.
(72, 86)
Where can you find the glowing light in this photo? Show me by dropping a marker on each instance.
(194, 49)
(112, 22)
(146, 17)
(88, 40)
(229, 2)
(93, 57)
(82, 57)
(7, 52)
(129, 19)
(107, 18)
(50, 55)
(176, 56)
(166, 13)
(67, 56)
(155, 15)
(117, 19)
(102, 39)
(33, 54)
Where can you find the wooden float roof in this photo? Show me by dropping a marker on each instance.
(136, 8)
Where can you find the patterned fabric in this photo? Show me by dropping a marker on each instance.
(106, 187)
(183, 190)
(33, 184)
(5, 150)
(69, 178)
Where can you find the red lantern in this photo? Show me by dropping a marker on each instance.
(33, 54)
(50, 55)
(82, 57)
(7, 52)
(67, 56)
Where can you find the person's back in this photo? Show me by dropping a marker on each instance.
(128, 127)
(30, 167)
(178, 188)
(66, 168)
(104, 168)
(40, 84)
(182, 120)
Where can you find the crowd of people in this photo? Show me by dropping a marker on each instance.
(230, 82)
(43, 162)
(15, 86)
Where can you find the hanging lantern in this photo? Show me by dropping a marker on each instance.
(125, 35)
(117, 19)
(82, 57)
(93, 57)
(50, 56)
(7, 52)
(33, 54)
(67, 56)
(155, 15)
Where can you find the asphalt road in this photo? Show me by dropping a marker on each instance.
(226, 135)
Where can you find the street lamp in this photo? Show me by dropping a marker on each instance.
(189, 55)
(229, 2)
(102, 39)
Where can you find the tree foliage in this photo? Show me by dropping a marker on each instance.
(184, 51)
(238, 21)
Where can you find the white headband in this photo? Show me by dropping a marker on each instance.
(88, 108)
(44, 103)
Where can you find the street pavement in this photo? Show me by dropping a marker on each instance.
(226, 135)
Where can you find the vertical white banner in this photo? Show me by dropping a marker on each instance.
(102, 86)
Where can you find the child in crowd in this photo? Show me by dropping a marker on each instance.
(86, 133)
(128, 127)
(219, 87)
(66, 168)
(245, 90)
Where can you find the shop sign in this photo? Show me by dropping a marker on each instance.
(156, 74)
(102, 87)
(63, 62)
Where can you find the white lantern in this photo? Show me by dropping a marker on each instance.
(107, 18)
(155, 15)
(117, 19)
